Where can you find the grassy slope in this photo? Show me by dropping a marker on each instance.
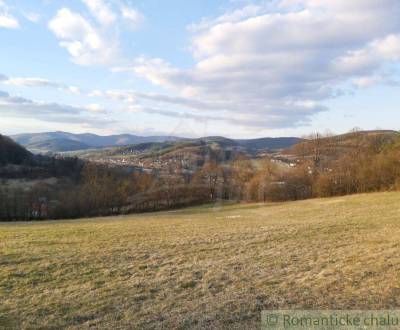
(204, 267)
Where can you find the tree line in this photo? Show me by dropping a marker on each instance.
(322, 166)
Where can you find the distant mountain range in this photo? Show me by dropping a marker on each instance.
(64, 142)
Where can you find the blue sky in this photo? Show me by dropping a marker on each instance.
(193, 68)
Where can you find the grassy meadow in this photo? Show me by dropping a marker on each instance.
(213, 267)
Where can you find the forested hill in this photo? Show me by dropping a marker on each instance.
(64, 141)
(335, 146)
(54, 142)
(11, 152)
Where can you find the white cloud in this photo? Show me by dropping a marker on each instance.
(7, 21)
(32, 17)
(74, 90)
(130, 96)
(37, 82)
(101, 11)
(95, 93)
(124, 96)
(30, 82)
(277, 66)
(234, 16)
(86, 44)
(15, 106)
(93, 37)
(364, 82)
(133, 16)
(96, 108)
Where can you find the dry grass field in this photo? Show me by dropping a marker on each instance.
(201, 268)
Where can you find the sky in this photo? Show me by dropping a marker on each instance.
(237, 68)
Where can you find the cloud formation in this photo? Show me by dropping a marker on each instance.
(101, 11)
(37, 82)
(15, 106)
(93, 41)
(276, 65)
(85, 44)
(7, 20)
(132, 16)
(32, 17)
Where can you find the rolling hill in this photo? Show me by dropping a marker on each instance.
(193, 152)
(338, 145)
(64, 142)
(269, 143)
(57, 145)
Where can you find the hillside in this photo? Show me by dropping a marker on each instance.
(270, 143)
(202, 146)
(207, 267)
(57, 145)
(169, 157)
(63, 141)
(177, 146)
(340, 144)
(11, 152)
